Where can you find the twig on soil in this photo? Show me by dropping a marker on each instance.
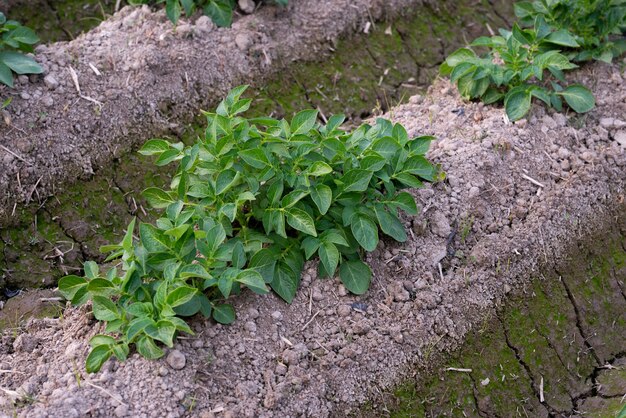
(13, 154)
(456, 369)
(107, 392)
(541, 399)
(286, 341)
(82, 96)
(94, 69)
(533, 181)
(50, 299)
(440, 270)
(30, 195)
(310, 320)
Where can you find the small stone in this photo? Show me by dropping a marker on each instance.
(277, 315)
(343, 310)
(25, 342)
(163, 371)
(204, 24)
(440, 225)
(342, 290)
(176, 359)
(563, 153)
(243, 41)
(250, 327)
(72, 350)
(246, 6)
(281, 369)
(254, 314)
(317, 295)
(607, 123)
(121, 411)
(474, 192)
(184, 30)
(485, 381)
(47, 100)
(22, 79)
(620, 137)
(51, 82)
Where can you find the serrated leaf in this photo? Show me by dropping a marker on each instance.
(356, 276)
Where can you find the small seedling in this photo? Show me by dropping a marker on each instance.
(15, 39)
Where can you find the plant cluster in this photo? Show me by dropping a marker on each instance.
(220, 11)
(529, 61)
(595, 25)
(249, 203)
(16, 39)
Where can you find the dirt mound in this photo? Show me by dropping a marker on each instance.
(137, 76)
(516, 200)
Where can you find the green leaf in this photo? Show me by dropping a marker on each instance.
(517, 103)
(189, 308)
(563, 38)
(167, 157)
(23, 35)
(180, 295)
(97, 357)
(154, 146)
(255, 157)
(406, 202)
(157, 198)
(303, 122)
(70, 285)
(285, 282)
(225, 180)
(329, 256)
(239, 255)
(147, 348)
(300, 220)
(162, 331)
(152, 239)
(253, 280)
(319, 168)
(194, 270)
(322, 196)
(224, 313)
(390, 225)
(365, 231)
(355, 180)
(101, 339)
(310, 245)
(6, 76)
(101, 287)
(173, 10)
(579, 98)
(356, 276)
(459, 56)
(264, 261)
(136, 327)
(104, 309)
(19, 63)
(220, 12)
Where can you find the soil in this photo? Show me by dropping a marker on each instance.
(517, 201)
(55, 134)
(562, 335)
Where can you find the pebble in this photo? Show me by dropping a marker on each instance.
(473, 192)
(184, 30)
(51, 82)
(281, 369)
(243, 41)
(317, 295)
(250, 327)
(343, 310)
(277, 315)
(121, 411)
(440, 225)
(176, 359)
(204, 24)
(620, 137)
(246, 6)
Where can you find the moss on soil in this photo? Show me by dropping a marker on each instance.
(572, 326)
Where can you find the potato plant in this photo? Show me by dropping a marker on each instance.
(250, 202)
(16, 39)
(529, 61)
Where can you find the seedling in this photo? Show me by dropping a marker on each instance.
(15, 39)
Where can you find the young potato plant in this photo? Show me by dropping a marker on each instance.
(249, 203)
(597, 26)
(16, 39)
(514, 70)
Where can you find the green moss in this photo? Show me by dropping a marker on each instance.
(538, 337)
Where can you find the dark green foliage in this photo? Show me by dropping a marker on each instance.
(14, 40)
(249, 203)
(529, 61)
